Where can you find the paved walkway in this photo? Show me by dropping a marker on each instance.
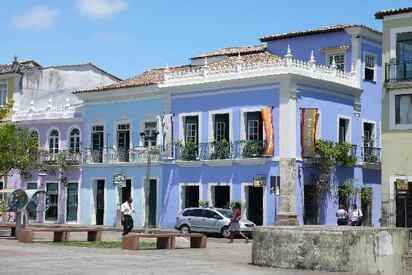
(45, 258)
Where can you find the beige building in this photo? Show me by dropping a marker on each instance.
(397, 117)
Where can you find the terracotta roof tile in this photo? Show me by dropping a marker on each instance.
(327, 29)
(381, 14)
(156, 76)
(233, 51)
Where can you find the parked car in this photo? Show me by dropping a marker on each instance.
(209, 220)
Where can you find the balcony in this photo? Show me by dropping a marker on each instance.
(137, 154)
(371, 155)
(220, 150)
(398, 74)
(69, 158)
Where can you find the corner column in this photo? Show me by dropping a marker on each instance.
(287, 151)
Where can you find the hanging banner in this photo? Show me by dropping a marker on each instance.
(268, 128)
(167, 135)
(308, 132)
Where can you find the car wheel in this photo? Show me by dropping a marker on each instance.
(226, 232)
(184, 229)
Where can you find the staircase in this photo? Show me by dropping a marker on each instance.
(407, 259)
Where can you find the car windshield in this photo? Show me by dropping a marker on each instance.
(226, 213)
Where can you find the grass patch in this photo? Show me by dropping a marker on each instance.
(113, 244)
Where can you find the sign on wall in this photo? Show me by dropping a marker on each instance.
(308, 132)
(119, 180)
(259, 181)
(401, 186)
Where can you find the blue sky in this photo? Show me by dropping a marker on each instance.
(126, 37)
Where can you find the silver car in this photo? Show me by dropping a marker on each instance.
(209, 220)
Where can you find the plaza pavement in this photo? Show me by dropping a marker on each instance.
(42, 257)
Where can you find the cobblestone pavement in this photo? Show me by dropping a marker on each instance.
(45, 258)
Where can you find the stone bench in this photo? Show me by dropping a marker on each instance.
(163, 240)
(12, 227)
(61, 234)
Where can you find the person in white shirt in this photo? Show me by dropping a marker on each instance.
(356, 216)
(126, 211)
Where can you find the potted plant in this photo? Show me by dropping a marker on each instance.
(221, 149)
(252, 149)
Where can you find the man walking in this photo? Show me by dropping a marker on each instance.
(356, 217)
(126, 212)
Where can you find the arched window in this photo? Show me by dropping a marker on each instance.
(74, 141)
(54, 142)
(35, 135)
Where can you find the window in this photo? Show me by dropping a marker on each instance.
(97, 143)
(123, 142)
(368, 134)
(74, 141)
(403, 109)
(221, 127)
(254, 126)
(404, 47)
(343, 130)
(1, 185)
(209, 214)
(339, 60)
(197, 213)
(150, 129)
(187, 213)
(191, 129)
(31, 185)
(3, 93)
(54, 142)
(370, 67)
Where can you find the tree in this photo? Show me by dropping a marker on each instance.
(4, 110)
(18, 149)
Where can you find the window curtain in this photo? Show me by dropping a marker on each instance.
(168, 135)
(405, 111)
(268, 128)
(308, 123)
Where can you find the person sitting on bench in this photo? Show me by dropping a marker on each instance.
(126, 212)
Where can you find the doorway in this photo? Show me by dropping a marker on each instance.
(152, 220)
(220, 196)
(100, 202)
(404, 207)
(97, 143)
(72, 201)
(254, 204)
(123, 142)
(311, 205)
(126, 191)
(190, 196)
(53, 192)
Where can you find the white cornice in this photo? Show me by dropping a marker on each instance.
(357, 30)
(397, 16)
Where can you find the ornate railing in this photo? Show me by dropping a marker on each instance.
(398, 72)
(371, 155)
(136, 154)
(261, 67)
(242, 149)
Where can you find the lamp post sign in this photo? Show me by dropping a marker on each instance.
(119, 180)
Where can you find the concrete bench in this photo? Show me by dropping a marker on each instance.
(12, 227)
(163, 240)
(61, 234)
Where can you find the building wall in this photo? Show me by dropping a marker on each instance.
(396, 144)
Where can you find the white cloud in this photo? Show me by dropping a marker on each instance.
(100, 8)
(36, 19)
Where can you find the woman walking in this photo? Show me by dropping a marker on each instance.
(234, 225)
(342, 216)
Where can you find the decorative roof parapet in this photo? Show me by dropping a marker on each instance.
(49, 110)
(235, 70)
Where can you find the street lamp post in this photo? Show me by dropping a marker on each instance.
(150, 150)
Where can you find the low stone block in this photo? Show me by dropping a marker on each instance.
(130, 242)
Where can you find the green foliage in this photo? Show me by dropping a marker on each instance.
(344, 154)
(203, 203)
(327, 156)
(221, 149)
(4, 110)
(369, 155)
(18, 149)
(348, 190)
(252, 149)
(189, 151)
(235, 203)
(366, 194)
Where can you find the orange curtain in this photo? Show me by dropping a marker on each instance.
(268, 128)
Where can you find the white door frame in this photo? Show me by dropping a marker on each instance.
(245, 200)
(214, 184)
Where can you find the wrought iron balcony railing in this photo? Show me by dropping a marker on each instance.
(398, 72)
(219, 150)
(371, 155)
(137, 154)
